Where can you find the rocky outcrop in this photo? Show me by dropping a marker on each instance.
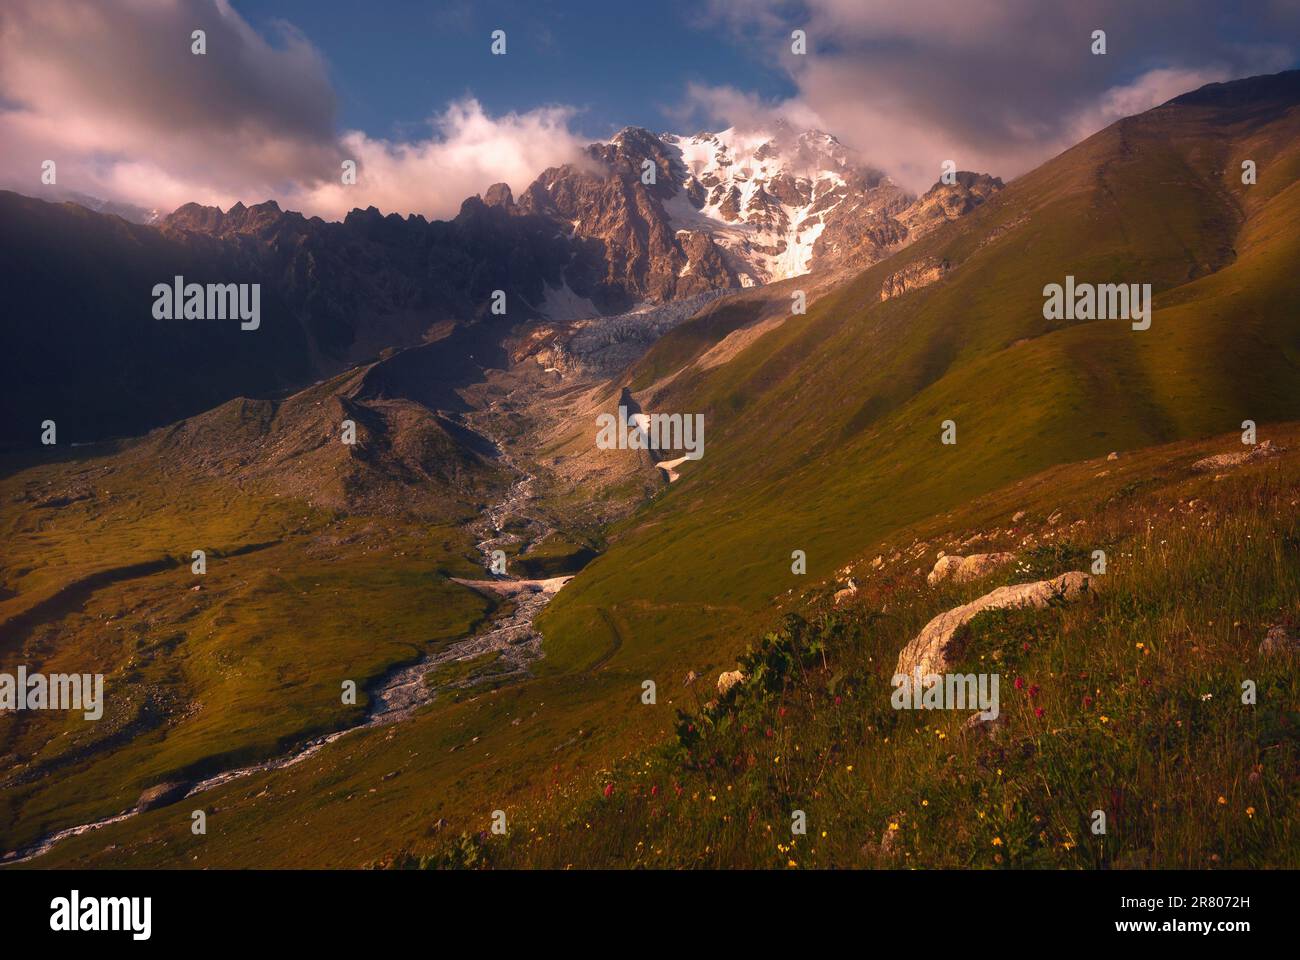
(499, 195)
(965, 569)
(929, 650)
(728, 680)
(948, 201)
(944, 568)
(626, 249)
(161, 795)
(1224, 461)
(914, 276)
(406, 457)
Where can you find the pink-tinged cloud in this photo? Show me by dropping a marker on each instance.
(993, 85)
(113, 94)
(466, 151)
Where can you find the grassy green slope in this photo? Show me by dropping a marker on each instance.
(1200, 567)
(204, 673)
(1129, 701)
(824, 434)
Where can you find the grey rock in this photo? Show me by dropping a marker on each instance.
(162, 794)
(929, 649)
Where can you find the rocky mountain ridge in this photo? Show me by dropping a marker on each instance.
(643, 221)
(675, 216)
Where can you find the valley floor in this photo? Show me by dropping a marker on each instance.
(1127, 702)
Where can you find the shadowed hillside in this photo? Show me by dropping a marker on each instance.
(84, 349)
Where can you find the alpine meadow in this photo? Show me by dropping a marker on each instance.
(414, 458)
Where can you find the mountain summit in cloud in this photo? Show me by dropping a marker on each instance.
(675, 215)
(639, 221)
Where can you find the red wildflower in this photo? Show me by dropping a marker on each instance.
(1038, 712)
(609, 789)
(1020, 683)
(1033, 691)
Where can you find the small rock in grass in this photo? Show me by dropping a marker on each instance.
(162, 794)
(729, 679)
(965, 569)
(992, 727)
(1279, 640)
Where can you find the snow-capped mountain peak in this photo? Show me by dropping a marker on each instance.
(733, 208)
(768, 197)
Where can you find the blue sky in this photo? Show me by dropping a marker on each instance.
(397, 62)
(288, 90)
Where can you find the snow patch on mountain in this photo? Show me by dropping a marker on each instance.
(767, 197)
(736, 208)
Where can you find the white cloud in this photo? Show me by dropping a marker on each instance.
(1149, 90)
(113, 94)
(994, 85)
(467, 152)
(726, 106)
